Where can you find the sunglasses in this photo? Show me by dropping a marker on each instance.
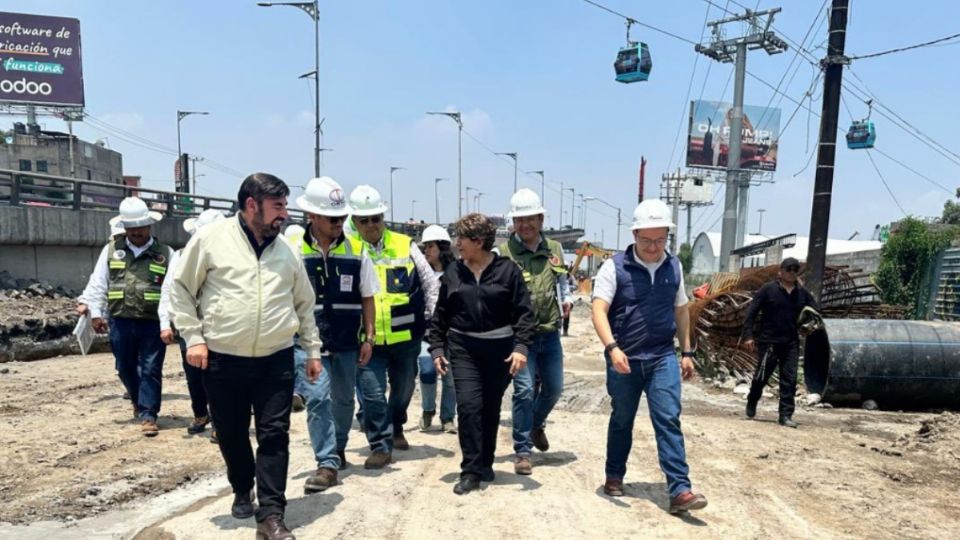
(334, 220)
(792, 269)
(372, 219)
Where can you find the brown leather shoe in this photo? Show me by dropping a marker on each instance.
(378, 460)
(539, 439)
(522, 465)
(687, 501)
(149, 428)
(400, 442)
(613, 487)
(321, 480)
(273, 528)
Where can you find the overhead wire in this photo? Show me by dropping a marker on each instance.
(638, 23)
(683, 108)
(874, 163)
(907, 48)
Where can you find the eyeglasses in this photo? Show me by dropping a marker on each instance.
(792, 269)
(335, 219)
(647, 242)
(372, 219)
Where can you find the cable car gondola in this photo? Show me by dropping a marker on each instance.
(633, 62)
(862, 134)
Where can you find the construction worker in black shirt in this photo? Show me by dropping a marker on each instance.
(780, 303)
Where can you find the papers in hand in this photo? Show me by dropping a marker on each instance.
(84, 332)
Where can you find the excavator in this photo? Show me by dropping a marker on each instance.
(588, 250)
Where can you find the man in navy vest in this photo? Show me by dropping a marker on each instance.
(639, 305)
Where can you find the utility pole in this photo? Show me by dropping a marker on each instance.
(827, 147)
(676, 212)
(735, 50)
(393, 170)
(689, 223)
(513, 156)
(560, 216)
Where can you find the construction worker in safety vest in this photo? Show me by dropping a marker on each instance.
(345, 283)
(125, 287)
(541, 261)
(407, 296)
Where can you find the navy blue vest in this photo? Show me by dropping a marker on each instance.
(336, 282)
(642, 314)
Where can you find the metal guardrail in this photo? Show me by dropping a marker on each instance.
(947, 303)
(19, 188)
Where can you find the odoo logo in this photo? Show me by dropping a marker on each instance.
(23, 86)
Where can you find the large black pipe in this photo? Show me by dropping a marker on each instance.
(898, 364)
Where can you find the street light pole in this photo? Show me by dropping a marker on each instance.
(393, 170)
(760, 226)
(619, 214)
(180, 116)
(313, 10)
(542, 183)
(413, 206)
(436, 197)
(455, 116)
(468, 190)
(476, 201)
(512, 155)
(573, 203)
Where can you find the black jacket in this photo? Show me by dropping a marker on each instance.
(500, 299)
(778, 322)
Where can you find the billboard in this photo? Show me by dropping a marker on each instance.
(708, 141)
(40, 60)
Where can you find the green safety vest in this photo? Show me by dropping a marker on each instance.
(400, 302)
(542, 271)
(134, 291)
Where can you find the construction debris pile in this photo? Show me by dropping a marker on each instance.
(36, 320)
(718, 319)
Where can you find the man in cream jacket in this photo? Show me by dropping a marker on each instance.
(239, 298)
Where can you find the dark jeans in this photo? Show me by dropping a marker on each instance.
(138, 352)
(480, 377)
(234, 384)
(786, 355)
(382, 417)
(198, 395)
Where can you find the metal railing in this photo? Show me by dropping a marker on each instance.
(18, 188)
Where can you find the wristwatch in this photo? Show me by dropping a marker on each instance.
(610, 346)
(371, 341)
(687, 354)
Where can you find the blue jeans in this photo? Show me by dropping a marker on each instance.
(383, 418)
(660, 379)
(428, 388)
(320, 419)
(139, 353)
(531, 406)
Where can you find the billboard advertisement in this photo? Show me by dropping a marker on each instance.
(708, 141)
(40, 60)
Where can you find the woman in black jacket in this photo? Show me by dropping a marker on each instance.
(485, 319)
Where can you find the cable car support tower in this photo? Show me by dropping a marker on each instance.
(758, 35)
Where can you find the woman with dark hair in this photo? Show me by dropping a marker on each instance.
(484, 319)
(435, 244)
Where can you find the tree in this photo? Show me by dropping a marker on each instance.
(905, 261)
(951, 211)
(686, 257)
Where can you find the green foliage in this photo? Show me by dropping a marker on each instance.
(905, 262)
(951, 213)
(686, 257)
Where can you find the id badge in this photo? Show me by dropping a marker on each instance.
(346, 283)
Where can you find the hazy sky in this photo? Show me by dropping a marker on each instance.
(530, 76)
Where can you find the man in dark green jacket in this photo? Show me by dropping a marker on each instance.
(541, 261)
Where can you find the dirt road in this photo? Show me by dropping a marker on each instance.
(73, 465)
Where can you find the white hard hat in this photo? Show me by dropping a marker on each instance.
(525, 202)
(208, 216)
(324, 197)
(134, 213)
(651, 214)
(435, 233)
(366, 201)
(294, 232)
(116, 227)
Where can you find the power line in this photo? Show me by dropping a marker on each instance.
(631, 20)
(683, 108)
(907, 48)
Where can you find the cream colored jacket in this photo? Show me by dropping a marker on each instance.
(238, 305)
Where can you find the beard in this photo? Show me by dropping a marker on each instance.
(267, 230)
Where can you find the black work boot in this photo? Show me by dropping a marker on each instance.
(243, 507)
(786, 421)
(751, 409)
